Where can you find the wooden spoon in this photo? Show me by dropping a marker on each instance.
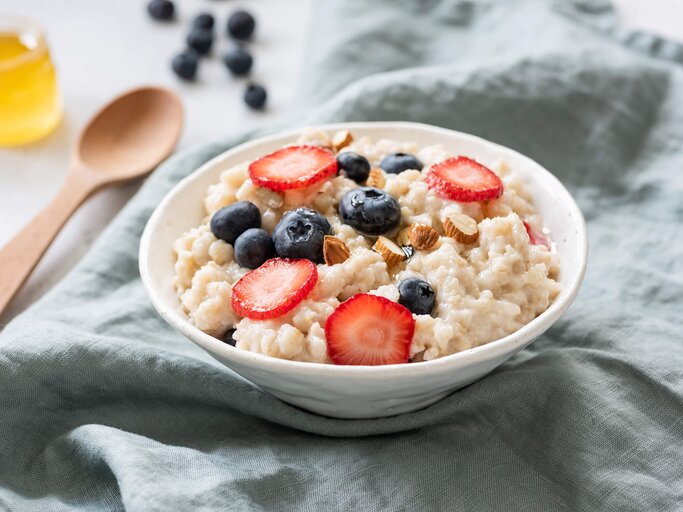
(123, 141)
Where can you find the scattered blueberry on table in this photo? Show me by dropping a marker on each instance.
(185, 64)
(417, 295)
(396, 163)
(253, 248)
(370, 211)
(200, 39)
(238, 60)
(204, 21)
(255, 96)
(354, 166)
(241, 25)
(162, 10)
(231, 221)
(301, 234)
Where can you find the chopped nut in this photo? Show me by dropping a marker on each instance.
(391, 252)
(462, 228)
(376, 178)
(341, 139)
(334, 250)
(270, 198)
(423, 237)
(418, 357)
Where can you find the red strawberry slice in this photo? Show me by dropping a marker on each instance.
(462, 179)
(274, 288)
(369, 330)
(534, 237)
(293, 167)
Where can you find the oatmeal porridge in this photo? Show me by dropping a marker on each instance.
(358, 251)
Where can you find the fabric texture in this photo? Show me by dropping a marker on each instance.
(104, 407)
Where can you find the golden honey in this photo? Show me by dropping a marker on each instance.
(30, 106)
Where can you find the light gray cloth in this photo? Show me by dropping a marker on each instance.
(105, 407)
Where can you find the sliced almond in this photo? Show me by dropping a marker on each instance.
(376, 178)
(341, 139)
(391, 252)
(334, 250)
(462, 228)
(270, 198)
(423, 237)
(418, 357)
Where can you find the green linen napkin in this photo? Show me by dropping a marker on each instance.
(105, 407)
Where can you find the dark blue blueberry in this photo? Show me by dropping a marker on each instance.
(185, 65)
(200, 39)
(230, 222)
(417, 296)
(161, 9)
(253, 248)
(204, 21)
(241, 25)
(396, 163)
(228, 337)
(370, 211)
(238, 60)
(301, 234)
(255, 96)
(354, 166)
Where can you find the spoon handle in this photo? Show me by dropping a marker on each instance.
(23, 252)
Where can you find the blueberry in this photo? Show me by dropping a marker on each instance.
(204, 21)
(230, 222)
(417, 296)
(396, 163)
(370, 211)
(255, 96)
(300, 234)
(355, 166)
(253, 248)
(238, 60)
(161, 9)
(241, 25)
(229, 337)
(200, 39)
(185, 65)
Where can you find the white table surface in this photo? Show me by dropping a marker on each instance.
(104, 47)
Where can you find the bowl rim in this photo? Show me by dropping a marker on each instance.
(518, 339)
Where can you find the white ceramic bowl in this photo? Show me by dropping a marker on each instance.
(362, 391)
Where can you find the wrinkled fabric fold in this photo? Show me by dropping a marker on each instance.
(104, 407)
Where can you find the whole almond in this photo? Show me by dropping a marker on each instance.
(270, 198)
(391, 252)
(423, 237)
(341, 139)
(376, 178)
(334, 250)
(462, 228)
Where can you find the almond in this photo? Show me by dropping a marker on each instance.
(462, 228)
(270, 198)
(391, 252)
(334, 250)
(423, 237)
(376, 178)
(341, 139)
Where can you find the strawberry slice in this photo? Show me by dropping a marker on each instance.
(274, 288)
(369, 330)
(293, 167)
(465, 180)
(534, 237)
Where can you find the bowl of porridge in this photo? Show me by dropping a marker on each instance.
(361, 270)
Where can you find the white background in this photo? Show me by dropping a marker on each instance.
(104, 47)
